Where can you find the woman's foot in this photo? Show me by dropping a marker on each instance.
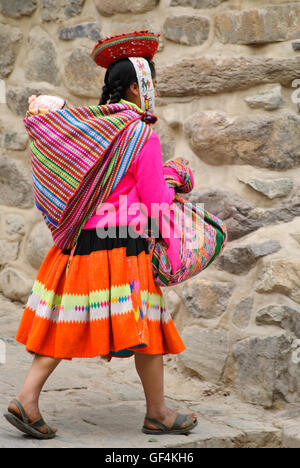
(32, 412)
(168, 418)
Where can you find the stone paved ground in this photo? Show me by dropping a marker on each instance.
(99, 404)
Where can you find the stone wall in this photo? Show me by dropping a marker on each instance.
(227, 102)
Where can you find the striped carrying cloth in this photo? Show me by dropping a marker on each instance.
(78, 156)
(196, 236)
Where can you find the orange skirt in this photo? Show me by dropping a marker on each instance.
(100, 301)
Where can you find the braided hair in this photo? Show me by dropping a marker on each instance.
(118, 78)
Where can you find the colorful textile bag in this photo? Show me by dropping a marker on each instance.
(78, 156)
(196, 236)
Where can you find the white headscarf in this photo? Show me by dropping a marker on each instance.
(145, 82)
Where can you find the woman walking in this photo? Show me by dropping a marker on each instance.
(94, 294)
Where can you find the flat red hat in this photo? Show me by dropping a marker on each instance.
(137, 44)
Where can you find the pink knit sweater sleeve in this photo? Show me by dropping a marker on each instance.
(149, 175)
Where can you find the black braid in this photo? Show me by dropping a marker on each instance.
(105, 96)
(117, 93)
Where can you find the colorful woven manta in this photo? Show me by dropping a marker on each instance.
(196, 236)
(78, 156)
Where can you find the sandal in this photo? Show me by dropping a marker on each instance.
(25, 426)
(175, 429)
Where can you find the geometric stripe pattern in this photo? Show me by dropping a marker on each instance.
(78, 156)
(85, 309)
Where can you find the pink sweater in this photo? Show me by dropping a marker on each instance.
(144, 183)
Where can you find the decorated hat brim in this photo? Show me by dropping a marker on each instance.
(138, 44)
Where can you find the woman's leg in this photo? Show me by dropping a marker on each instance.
(41, 369)
(150, 369)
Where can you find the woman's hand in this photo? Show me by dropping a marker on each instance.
(184, 161)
